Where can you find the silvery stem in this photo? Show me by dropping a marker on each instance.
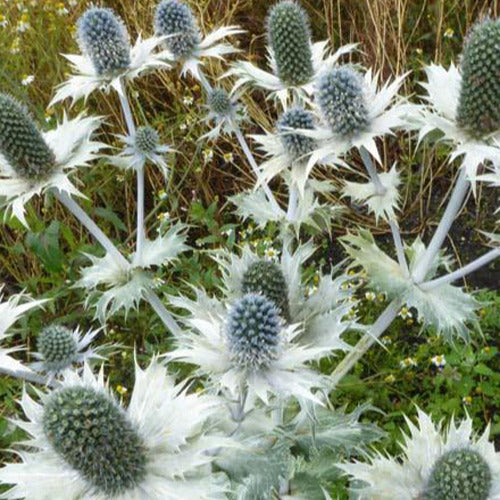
(107, 244)
(127, 111)
(396, 235)
(379, 327)
(460, 273)
(28, 376)
(293, 203)
(141, 232)
(457, 197)
(372, 171)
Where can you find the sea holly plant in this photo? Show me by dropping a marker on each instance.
(252, 415)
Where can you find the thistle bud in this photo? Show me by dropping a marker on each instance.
(146, 140)
(341, 99)
(461, 473)
(21, 143)
(290, 39)
(479, 103)
(296, 144)
(58, 347)
(175, 20)
(102, 36)
(266, 278)
(220, 103)
(93, 435)
(253, 331)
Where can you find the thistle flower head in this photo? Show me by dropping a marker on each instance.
(253, 331)
(147, 140)
(290, 40)
(58, 347)
(219, 102)
(102, 36)
(341, 100)
(175, 20)
(21, 143)
(266, 278)
(93, 435)
(461, 473)
(296, 144)
(479, 103)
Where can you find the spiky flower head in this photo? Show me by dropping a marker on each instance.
(58, 347)
(253, 331)
(296, 144)
(219, 102)
(175, 20)
(147, 140)
(341, 99)
(266, 278)
(289, 36)
(21, 143)
(94, 436)
(102, 36)
(462, 473)
(479, 102)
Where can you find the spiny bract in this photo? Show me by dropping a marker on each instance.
(479, 102)
(290, 39)
(296, 144)
(103, 37)
(341, 100)
(146, 140)
(58, 347)
(459, 474)
(253, 331)
(94, 436)
(266, 278)
(21, 143)
(220, 103)
(175, 20)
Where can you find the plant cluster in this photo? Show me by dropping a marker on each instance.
(259, 420)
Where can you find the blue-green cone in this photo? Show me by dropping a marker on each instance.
(57, 346)
(253, 331)
(219, 102)
(93, 435)
(175, 20)
(147, 140)
(341, 100)
(296, 144)
(479, 103)
(266, 278)
(103, 37)
(459, 474)
(22, 143)
(289, 36)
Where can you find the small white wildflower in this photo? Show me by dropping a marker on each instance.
(439, 361)
(27, 80)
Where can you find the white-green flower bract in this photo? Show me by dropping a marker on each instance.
(385, 112)
(60, 348)
(321, 58)
(10, 311)
(140, 148)
(182, 41)
(207, 345)
(115, 285)
(447, 308)
(88, 76)
(84, 444)
(255, 205)
(437, 464)
(288, 149)
(381, 204)
(322, 311)
(224, 111)
(440, 113)
(72, 146)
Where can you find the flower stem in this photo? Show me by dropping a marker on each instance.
(372, 171)
(379, 327)
(108, 245)
(464, 271)
(457, 197)
(293, 203)
(398, 243)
